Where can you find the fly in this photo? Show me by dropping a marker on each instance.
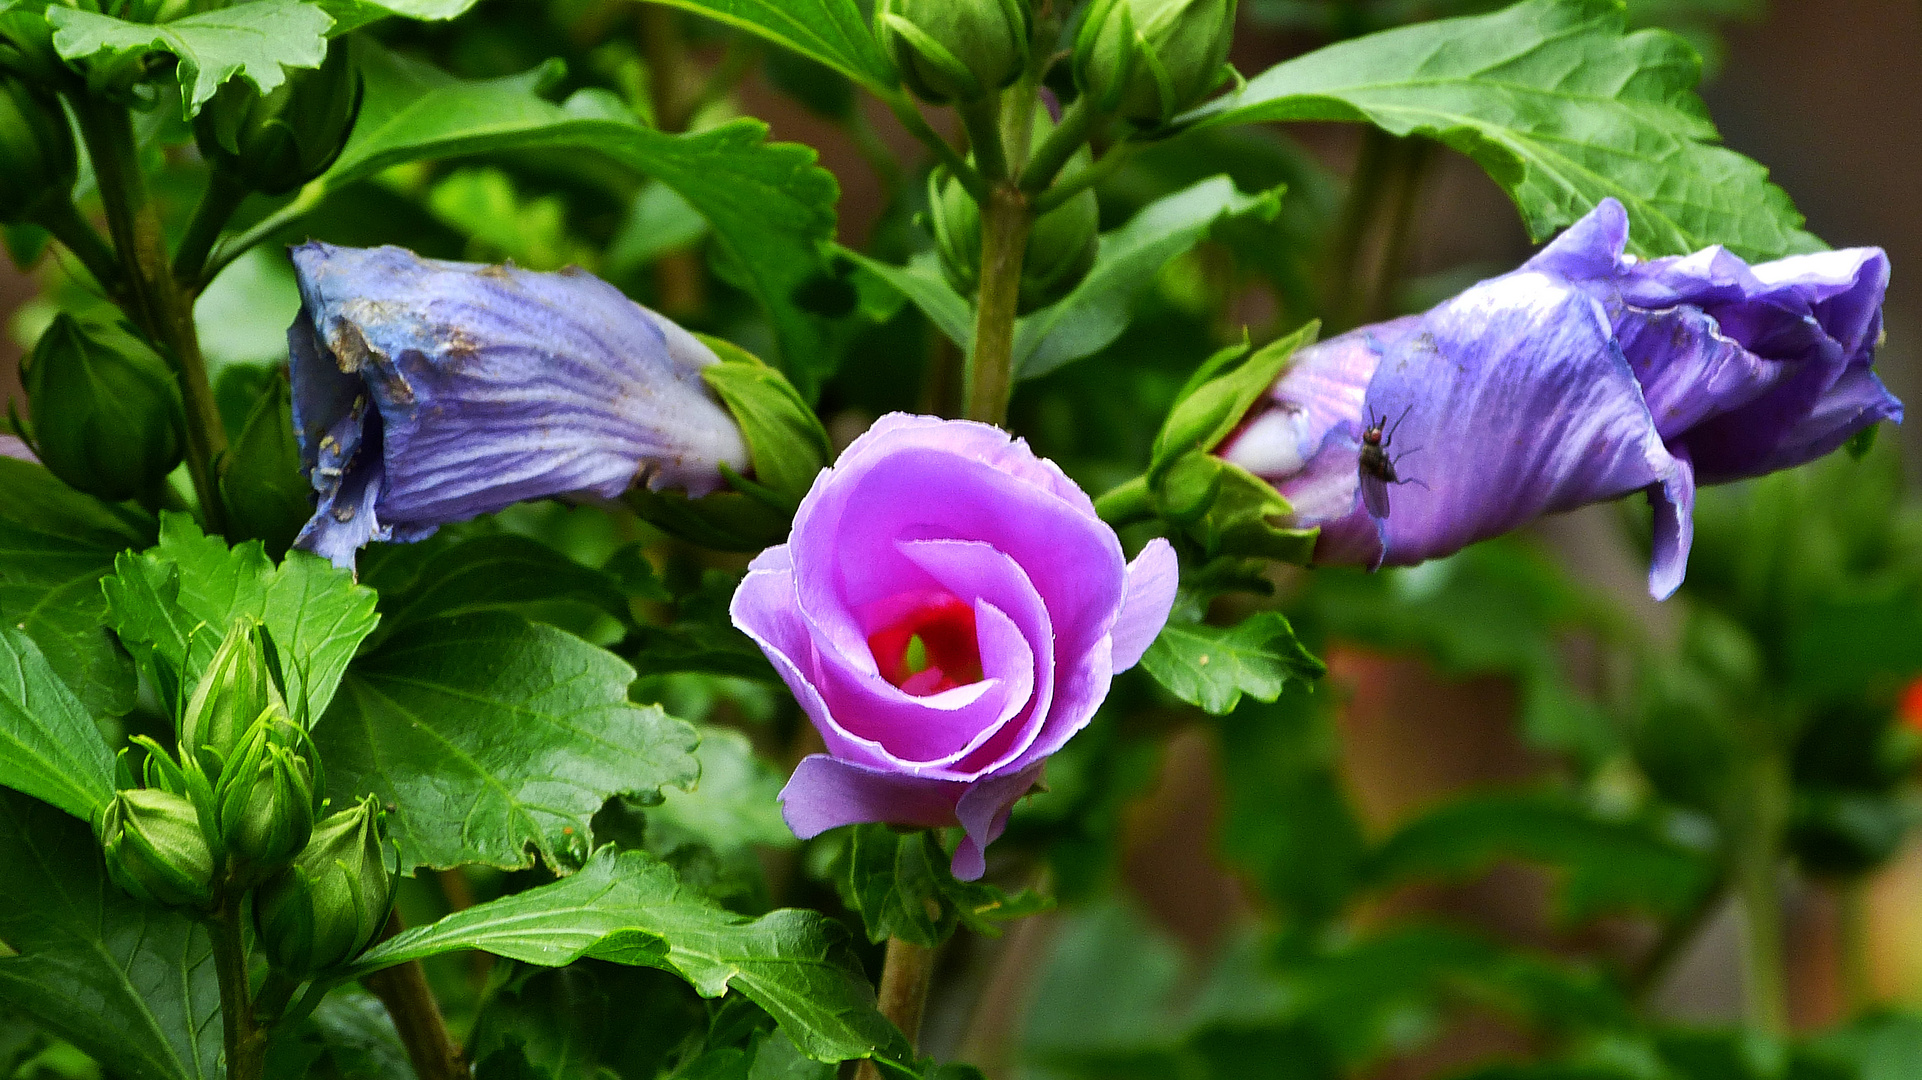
(1377, 468)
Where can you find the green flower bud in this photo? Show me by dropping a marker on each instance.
(266, 795)
(37, 147)
(106, 410)
(155, 849)
(322, 910)
(1147, 60)
(267, 498)
(1061, 245)
(26, 49)
(236, 689)
(277, 141)
(955, 49)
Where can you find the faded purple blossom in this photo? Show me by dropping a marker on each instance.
(427, 392)
(1583, 376)
(949, 611)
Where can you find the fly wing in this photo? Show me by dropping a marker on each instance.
(1374, 495)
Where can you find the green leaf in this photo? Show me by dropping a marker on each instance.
(629, 908)
(50, 588)
(49, 747)
(131, 985)
(178, 599)
(830, 31)
(1560, 107)
(435, 579)
(732, 809)
(354, 14)
(900, 885)
(1607, 864)
(34, 498)
(771, 205)
(1883, 1045)
(494, 738)
(1212, 666)
(1091, 317)
(255, 40)
(922, 283)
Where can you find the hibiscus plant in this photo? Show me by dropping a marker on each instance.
(496, 581)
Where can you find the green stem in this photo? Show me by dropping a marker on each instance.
(67, 226)
(1104, 167)
(1077, 123)
(309, 197)
(155, 299)
(910, 116)
(244, 1039)
(410, 1001)
(989, 376)
(1126, 503)
(982, 119)
(223, 196)
(1756, 824)
(906, 975)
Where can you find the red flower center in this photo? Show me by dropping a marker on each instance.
(929, 649)
(1910, 706)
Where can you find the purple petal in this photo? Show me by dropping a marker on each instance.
(826, 793)
(983, 813)
(1673, 501)
(1519, 403)
(1152, 579)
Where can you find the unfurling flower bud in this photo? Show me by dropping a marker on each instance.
(1147, 60)
(955, 49)
(267, 498)
(235, 690)
(277, 141)
(427, 392)
(37, 148)
(1061, 245)
(322, 910)
(106, 411)
(266, 795)
(155, 849)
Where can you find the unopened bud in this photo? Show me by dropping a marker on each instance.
(1061, 245)
(1147, 60)
(235, 690)
(324, 908)
(106, 411)
(277, 141)
(266, 796)
(955, 49)
(155, 849)
(37, 149)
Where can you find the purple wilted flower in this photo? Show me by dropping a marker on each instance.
(949, 611)
(427, 392)
(1583, 376)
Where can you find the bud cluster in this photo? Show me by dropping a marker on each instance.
(239, 808)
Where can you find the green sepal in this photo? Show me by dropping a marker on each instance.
(153, 848)
(1220, 393)
(1221, 507)
(1239, 512)
(900, 884)
(785, 439)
